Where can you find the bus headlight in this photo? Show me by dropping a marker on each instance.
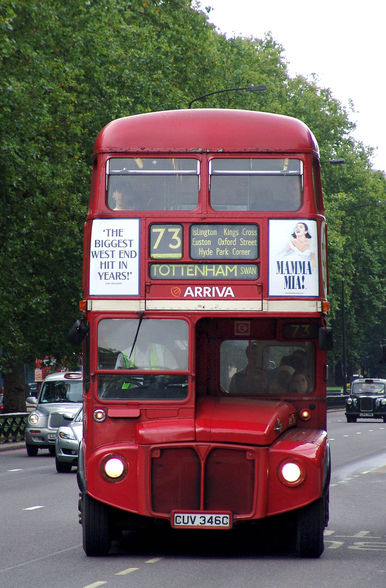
(291, 473)
(114, 468)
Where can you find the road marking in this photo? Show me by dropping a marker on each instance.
(358, 535)
(28, 562)
(378, 469)
(33, 507)
(334, 544)
(154, 560)
(95, 585)
(16, 470)
(381, 469)
(367, 546)
(368, 543)
(125, 572)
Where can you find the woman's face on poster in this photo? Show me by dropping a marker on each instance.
(300, 230)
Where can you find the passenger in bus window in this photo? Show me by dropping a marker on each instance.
(299, 384)
(297, 360)
(252, 379)
(123, 200)
(280, 380)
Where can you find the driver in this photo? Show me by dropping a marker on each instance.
(153, 356)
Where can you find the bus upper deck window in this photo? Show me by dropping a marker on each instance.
(256, 184)
(152, 183)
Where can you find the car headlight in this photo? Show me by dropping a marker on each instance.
(33, 418)
(383, 401)
(349, 401)
(67, 435)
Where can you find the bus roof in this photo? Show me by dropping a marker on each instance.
(206, 131)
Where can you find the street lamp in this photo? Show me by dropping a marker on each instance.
(344, 352)
(247, 89)
(337, 161)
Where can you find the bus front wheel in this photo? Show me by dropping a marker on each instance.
(310, 522)
(95, 526)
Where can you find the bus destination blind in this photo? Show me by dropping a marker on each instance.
(206, 242)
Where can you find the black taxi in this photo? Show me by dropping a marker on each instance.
(367, 400)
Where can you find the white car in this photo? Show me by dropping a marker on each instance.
(59, 399)
(67, 443)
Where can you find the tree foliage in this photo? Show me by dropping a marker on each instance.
(68, 68)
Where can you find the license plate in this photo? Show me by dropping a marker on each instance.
(51, 436)
(364, 413)
(202, 520)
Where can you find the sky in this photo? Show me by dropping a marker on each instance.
(343, 42)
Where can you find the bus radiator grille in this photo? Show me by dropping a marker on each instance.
(228, 480)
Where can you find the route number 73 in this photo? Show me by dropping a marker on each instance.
(166, 241)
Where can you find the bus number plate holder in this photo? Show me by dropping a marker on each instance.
(201, 520)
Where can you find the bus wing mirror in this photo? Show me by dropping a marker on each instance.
(78, 332)
(325, 338)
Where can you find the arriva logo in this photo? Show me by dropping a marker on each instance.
(208, 292)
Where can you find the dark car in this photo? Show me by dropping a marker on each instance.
(32, 389)
(367, 400)
(67, 443)
(60, 398)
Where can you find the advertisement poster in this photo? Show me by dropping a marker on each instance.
(114, 257)
(293, 258)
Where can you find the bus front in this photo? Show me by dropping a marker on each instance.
(205, 283)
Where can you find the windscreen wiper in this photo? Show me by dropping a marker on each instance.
(136, 334)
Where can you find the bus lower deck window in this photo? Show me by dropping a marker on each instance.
(266, 367)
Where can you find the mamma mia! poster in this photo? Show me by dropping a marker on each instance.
(293, 258)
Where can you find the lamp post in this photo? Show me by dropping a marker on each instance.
(344, 350)
(246, 89)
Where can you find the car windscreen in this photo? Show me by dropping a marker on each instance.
(61, 391)
(368, 388)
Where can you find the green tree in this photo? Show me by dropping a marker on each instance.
(68, 68)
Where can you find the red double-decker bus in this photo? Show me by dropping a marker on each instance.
(205, 301)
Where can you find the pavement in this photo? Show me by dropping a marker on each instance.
(12, 445)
